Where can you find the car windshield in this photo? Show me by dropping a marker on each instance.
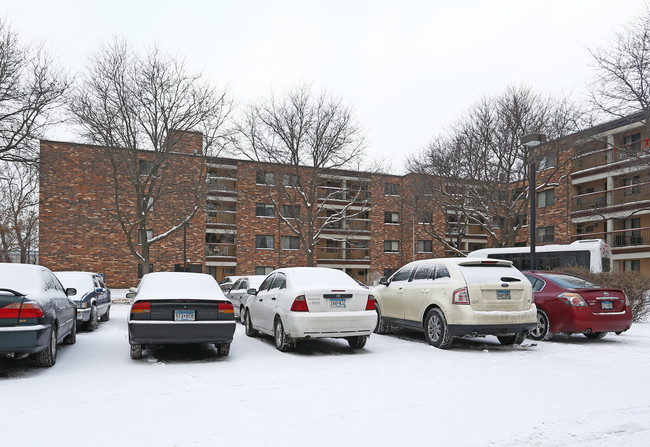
(79, 281)
(476, 274)
(571, 282)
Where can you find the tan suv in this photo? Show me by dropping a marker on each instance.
(452, 297)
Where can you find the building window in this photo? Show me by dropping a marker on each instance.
(149, 236)
(145, 167)
(291, 211)
(263, 270)
(264, 241)
(331, 246)
(391, 246)
(585, 228)
(264, 178)
(545, 198)
(425, 217)
(425, 246)
(291, 180)
(547, 161)
(290, 242)
(391, 189)
(633, 141)
(545, 235)
(632, 265)
(264, 210)
(631, 182)
(391, 218)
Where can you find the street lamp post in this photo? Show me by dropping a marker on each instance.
(185, 225)
(532, 140)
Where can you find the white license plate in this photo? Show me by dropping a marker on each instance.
(503, 294)
(606, 305)
(184, 315)
(337, 302)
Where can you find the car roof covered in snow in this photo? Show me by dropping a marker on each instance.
(318, 278)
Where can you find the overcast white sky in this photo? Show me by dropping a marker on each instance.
(408, 67)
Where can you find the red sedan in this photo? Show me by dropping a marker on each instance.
(567, 303)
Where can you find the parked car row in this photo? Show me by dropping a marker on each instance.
(444, 298)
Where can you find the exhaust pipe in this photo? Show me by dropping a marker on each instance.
(588, 331)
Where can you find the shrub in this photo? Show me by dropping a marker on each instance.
(635, 285)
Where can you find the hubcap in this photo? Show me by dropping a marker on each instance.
(53, 342)
(434, 328)
(279, 335)
(537, 332)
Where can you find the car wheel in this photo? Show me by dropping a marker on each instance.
(71, 339)
(381, 326)
(47, 357)
(515, 339)
(241, 315)
(223, 349)
(542, 330)
(250, 331)
(136, 352)
(357, 342)
(282, 341)
(93, 323)
(107, 315)
(436, 331)
(595, 335)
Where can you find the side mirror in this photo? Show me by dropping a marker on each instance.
(99, 290)
(252, 291)
(131, 294)
(227, 289)
(70, 291)
(133, 289)
(383, 281)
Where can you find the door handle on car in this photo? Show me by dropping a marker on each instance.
(425, 290)
(261, 299)
(273, 299)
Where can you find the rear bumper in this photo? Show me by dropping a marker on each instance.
(24, 339)
(458, 330)
(164, 332)
(330, 324)
(582, 319)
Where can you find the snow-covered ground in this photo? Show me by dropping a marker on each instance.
(396, 391)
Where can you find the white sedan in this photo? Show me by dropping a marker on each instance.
(310, 302)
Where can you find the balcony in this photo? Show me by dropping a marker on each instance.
(222, 250)
(620, 238)
(350, 224)
(612, 155)
(617, 196)
(343, 254)
(221, 184)
(222, 217)
(342, 194)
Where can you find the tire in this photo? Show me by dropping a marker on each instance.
(93, 323)
(515, 339)
(282, 341)
(248, 326)
(71, 338)
(595, 335)
(47, 357)
(381, 327)
(241, 315)
(436, 331)
(223, 349)
(136, 352)
(107, 315)
(357, 342)
(542, 332)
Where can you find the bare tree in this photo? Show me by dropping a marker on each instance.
(31, 88)
(134, 105)
(18, 211)
(303, 135)
(478, 172)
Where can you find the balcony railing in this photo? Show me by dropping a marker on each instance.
(621, 238)
(616, 196)
(349, 224)
(229, 250)
(216, 184)
(222, 217)
(610, 155)
(347, 194)
(337, 253)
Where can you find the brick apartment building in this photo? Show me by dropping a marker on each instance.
(601, 190)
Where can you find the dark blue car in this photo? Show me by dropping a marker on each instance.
(92, 298)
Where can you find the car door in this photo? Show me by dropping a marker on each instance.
(417, 291)
(235, 293)
(256, 303)
(65, 308)
(392, 302)
(103, 298)
(270, 301)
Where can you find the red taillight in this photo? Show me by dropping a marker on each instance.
(28, 309)
(225, 308)
(572, 299)
(141, 307)
(371, 303)
(300, 304)
(460, 296)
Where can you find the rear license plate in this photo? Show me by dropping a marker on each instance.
(184, 315)
(337, 302)
(503, 294)
(606, 305)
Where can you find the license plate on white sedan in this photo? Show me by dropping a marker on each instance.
(503, 294)
(184, 315)
(337, 302)
(606, 305)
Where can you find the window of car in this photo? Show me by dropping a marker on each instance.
(571, 282)
(403, 274)
(267, 283)
(243, 285)
(424, 271)
(537, 283)
(279, 282)
(236, 285)
(441, 271)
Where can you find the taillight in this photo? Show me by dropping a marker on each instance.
(627, 300)
(141, 307)
(300, 304)
(28, 309)
(370, 305)
(10, 311)
(572, 299)
(225, 308)
(460, 296)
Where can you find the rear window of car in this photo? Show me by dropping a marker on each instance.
(571, 282)
(475, 274)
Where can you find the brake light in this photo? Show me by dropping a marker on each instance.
(460, 296)
(10, 311)
(29, 309)
(489, 262)
(572, 299)
(371, 303)
(627, 300)
(225, 308)
(141, 307)
(300, 304)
